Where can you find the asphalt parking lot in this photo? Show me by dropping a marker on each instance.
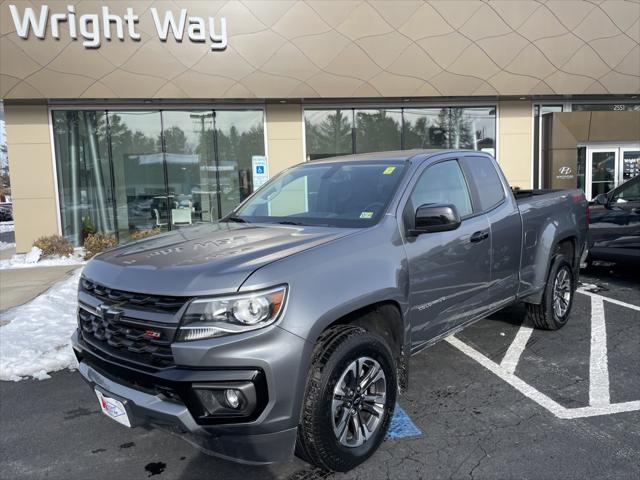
(498, 401)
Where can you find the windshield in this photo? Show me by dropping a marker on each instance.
(345, 194)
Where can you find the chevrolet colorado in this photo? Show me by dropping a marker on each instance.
(288, 325)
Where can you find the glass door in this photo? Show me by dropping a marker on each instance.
(602, 175)
(610, 166)
(139, 173)
(192, 174)
(630, 157)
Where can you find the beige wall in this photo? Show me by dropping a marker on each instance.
(285, 147)
(324, 49)
(32, 178)
(515, 134)
(285, 144)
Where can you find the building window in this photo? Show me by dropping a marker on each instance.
(84, 173)
(426, 128)
(240, 138)
(344, 131)
(125, 171)
(328, 133)
(378, 130)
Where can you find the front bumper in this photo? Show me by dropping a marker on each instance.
(266, 438)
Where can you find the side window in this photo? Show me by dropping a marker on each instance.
(483, 174)
(629, 192)
(443, 183)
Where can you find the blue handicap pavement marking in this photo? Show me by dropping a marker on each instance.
(402, 426)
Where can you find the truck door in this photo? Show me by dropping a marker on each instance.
(492, 199)
(448, 271)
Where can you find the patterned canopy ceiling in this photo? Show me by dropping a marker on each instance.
(322, 49)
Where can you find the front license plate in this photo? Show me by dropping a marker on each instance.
(113, 408)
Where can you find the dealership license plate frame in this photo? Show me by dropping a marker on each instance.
(113, 408)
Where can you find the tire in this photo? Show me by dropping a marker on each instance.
(555, 308)
(324, 439)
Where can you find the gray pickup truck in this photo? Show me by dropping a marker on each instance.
(288, 325)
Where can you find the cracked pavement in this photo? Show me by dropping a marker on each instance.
(475, 426)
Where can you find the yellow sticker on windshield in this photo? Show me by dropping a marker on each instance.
(388, 170)
(366, 215)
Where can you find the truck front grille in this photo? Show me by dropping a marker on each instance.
(134, 327)
(132, 299)
(124, 338)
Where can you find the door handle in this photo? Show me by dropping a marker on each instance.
(479, 236)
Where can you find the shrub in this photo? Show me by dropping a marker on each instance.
(98, 242)
(87, 227)
(140, 234)
(54, 245)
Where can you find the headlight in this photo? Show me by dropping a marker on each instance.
(215, 317)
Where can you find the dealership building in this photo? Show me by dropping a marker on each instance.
(123, 116)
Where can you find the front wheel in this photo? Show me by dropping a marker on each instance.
(349, 399)
(557, 300)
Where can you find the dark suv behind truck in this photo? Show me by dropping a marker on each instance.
(288, 325)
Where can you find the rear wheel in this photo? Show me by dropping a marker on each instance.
(557, 300)
(349, 399)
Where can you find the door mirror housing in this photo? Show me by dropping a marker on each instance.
(432, 217)
(601, 199)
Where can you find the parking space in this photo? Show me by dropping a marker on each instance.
(498, 400)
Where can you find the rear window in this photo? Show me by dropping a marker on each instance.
(484, 176)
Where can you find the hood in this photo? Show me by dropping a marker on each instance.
(203, 260)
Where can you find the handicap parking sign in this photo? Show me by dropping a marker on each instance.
(260, 175)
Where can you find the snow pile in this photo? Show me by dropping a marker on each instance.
(31, 259)
(37, 338)
(6, 245)
(33, 255)
(6, 227)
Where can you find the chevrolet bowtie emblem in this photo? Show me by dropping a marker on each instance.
(109, 313)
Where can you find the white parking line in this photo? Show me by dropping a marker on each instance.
(599, 392)
(512, 357)
(609, 299)
(598, 364)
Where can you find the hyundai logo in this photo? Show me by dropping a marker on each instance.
(565, 170)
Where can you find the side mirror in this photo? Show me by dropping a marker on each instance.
(601, 199)
(435, 218)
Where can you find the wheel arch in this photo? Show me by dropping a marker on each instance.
(384, 319)
(566, 246)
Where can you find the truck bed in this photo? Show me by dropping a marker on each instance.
(547, 216)
(522, 194)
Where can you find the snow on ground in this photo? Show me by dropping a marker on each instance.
(31, 259)
(6, 245)
(6, 227)
(37, 338)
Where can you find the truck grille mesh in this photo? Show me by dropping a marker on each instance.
(118, 323)
(135, 300)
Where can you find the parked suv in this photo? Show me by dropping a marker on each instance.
(289, 324)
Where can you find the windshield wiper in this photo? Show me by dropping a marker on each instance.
(236, 219)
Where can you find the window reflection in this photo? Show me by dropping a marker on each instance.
(426, 128)
(240, 137)
(191, 167)
(328, 133)
(170, 169)
(142, 202)
(84, 178)
(378, 130)
(333, 132)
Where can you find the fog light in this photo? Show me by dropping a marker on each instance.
(226, 399)
(232, 397)
(209, 401)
